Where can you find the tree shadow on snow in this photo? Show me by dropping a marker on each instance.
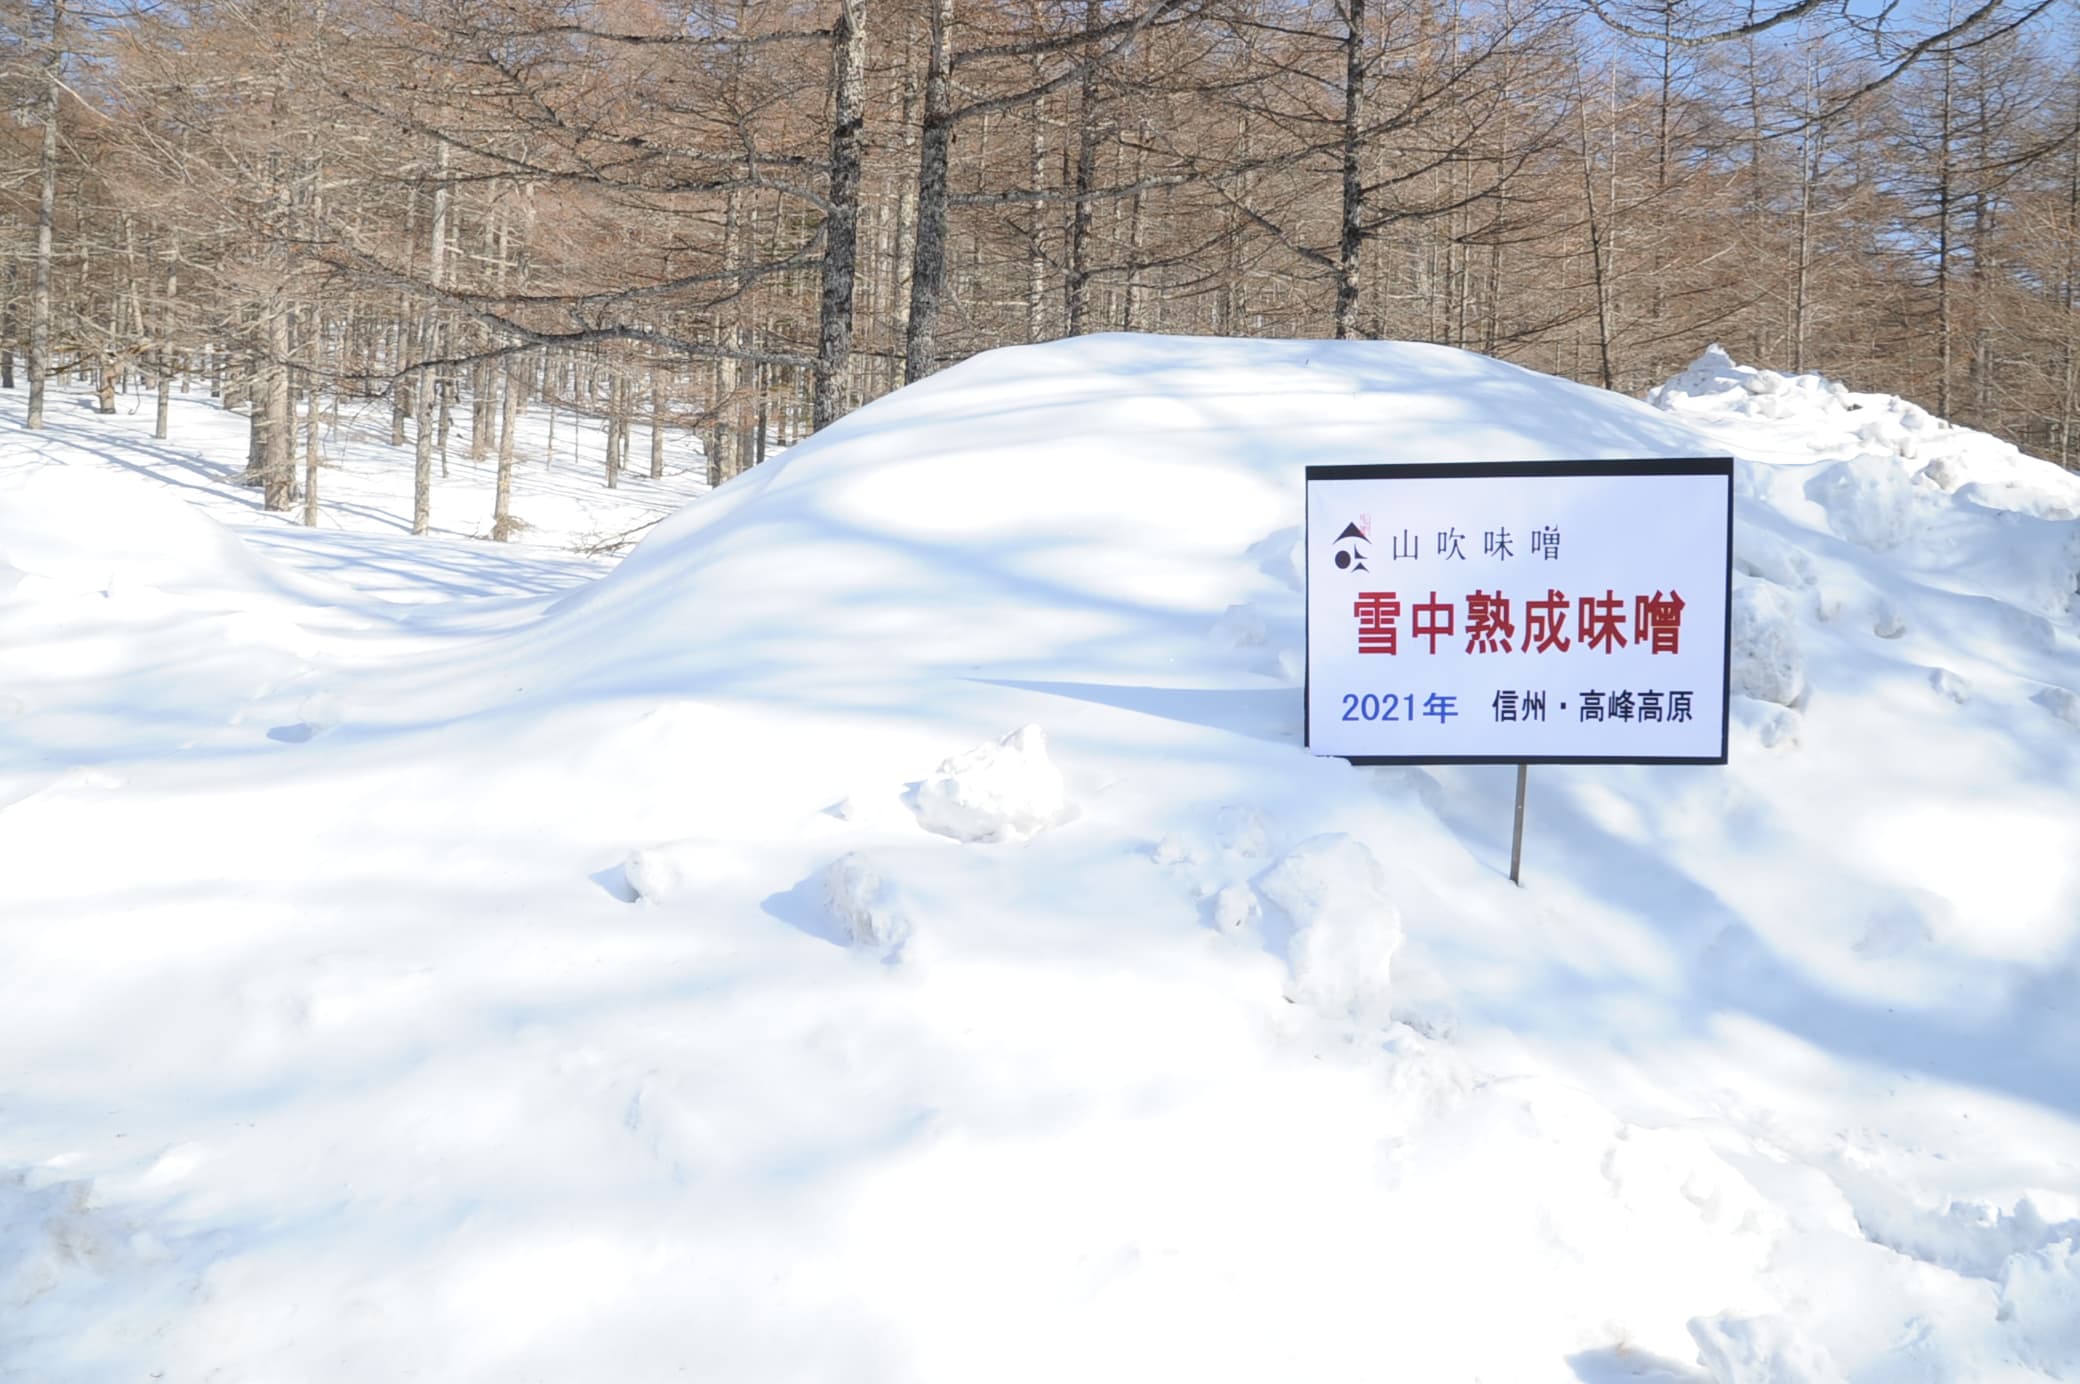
(1725, 964)
(1271, 713)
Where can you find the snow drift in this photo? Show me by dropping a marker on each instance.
(888, 929)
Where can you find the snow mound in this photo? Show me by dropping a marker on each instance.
(1949, 686)
(1714, 380)
(1279, 1063)
(1243, 829)
(1761, 1350)
(1005, 791)
(70, 531)
(1830, 420)
(1759, 553)
(2062, 702)
(1869, 499)
(1767, 664)
(864, 904)
(2040, 1303)
(1966, 1237)
(679, 871)
(1235, 908)
(1108, 518)
(1345, 928)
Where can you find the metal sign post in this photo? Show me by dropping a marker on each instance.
(1516, 840)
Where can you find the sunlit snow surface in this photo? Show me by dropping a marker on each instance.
(419, 959)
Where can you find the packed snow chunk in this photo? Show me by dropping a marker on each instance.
(864, 904)
(1775, 727)
(1172, 850)
(1714, 383)
(1282, 556)
(1887, 435)
(678, 871)
(1759, 553)
(1870, 500)
(1761, 1350)
(2062, 702)
(2040, 1303)
(1767, 663)
(1966, 1237)
(1002, 792)
(2038, 500)
(1244, 830)
(1333, 895)
(1712, 375)
(1946, 472)
(1241, 627)
(1235, 908)
(1949, 686)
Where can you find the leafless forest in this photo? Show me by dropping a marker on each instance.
(749, 216)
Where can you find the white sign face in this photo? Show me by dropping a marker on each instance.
(1519, 612)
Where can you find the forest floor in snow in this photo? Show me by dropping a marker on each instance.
(886, 926)
(573, 524)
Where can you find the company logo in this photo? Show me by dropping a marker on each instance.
(1353, 544)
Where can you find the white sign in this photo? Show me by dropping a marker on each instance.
(1519, 612)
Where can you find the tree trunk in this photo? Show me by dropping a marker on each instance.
(1137, 245)
(8, 325)
(400, 390)
(423, 383)
(935, 140)
(906, 216)
(1945, 191)
(841, 228)
(1597, 261)
(758, 431)
(1808, 171)
(1036, 247)
(656, 425)
(1078, 294)
(422, 449)
(310, 455)
(444, 398)
(508, 417)
(46, 214)
(277, 454)
(166, 355)
(1351, 239)
(617, 423)
(479, 412)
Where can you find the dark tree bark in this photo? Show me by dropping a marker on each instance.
(841, 225)
(1351, 239)
(1077, 298)
(935, 141)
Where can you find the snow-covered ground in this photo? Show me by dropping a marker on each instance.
(365, 489)
(886, 928)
